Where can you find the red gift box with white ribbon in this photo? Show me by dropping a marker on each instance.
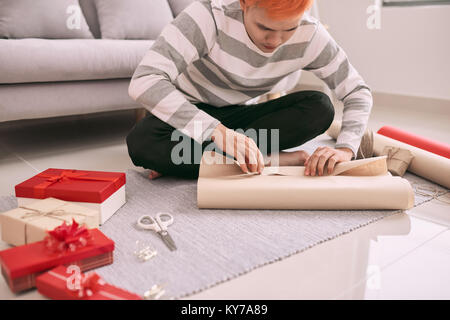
(67, 283)
(64, 245)
(99, 190)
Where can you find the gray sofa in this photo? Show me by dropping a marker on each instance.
(41, 78)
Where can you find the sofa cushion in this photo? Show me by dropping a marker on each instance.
(132, 19)
(54, 99)
(42, 60)
(52, 19)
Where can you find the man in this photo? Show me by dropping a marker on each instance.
(218, 54)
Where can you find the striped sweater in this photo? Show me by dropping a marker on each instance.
(205, 55)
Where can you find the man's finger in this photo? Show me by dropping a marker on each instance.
(322, 160)
(260, 161)
(253, 155)
(252, 161)
(241, 160)
(235, 146)
(306, 161)
(244, 168)
(241, 157)
(246, 151)
(312, 164)
(331, 163)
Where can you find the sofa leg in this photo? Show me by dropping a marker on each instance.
(140, 114)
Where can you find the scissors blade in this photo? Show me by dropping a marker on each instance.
(167, 239)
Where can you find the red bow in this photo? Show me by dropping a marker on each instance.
(90, 283)
(67, 237)
(65, 175)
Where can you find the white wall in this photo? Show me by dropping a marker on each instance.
(409, 55)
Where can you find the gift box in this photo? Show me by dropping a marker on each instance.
(67, 283)
(66, 244)
(398, 160)
(97, 190)
(29, 223)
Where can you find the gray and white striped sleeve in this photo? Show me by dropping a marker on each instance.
(330, 63)
(186, 39)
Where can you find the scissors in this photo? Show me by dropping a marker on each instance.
(159, 224)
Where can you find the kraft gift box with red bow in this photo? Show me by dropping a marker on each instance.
(66, 283)
(64, 245)
(99, 190)
(30, 223)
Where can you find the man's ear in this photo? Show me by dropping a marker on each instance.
(242, 4)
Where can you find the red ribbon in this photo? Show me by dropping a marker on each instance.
(65, 175)
(67, 237)
(90, 283)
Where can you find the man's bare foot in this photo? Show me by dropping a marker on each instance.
(154, 175)
(295, 158)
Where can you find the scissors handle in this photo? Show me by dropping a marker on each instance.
(148, 223)
(158, 224)
(164, 220)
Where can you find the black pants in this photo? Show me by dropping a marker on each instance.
(299, 117)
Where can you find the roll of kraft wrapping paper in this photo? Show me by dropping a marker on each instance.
(439, 148)
(425, 164)
(359, 184)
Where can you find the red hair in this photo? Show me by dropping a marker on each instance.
(282, 9)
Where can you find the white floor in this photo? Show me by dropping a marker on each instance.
(405, 256)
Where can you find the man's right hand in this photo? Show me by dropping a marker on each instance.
(241, 147)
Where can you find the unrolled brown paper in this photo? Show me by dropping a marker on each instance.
(358, 184)
(425, 164)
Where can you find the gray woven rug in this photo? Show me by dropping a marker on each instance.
(213, 245)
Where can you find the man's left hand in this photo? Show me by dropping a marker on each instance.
(325, 158)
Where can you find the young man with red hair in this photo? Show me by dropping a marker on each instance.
(218, 54)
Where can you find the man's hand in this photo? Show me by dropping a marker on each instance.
(325, 158)
(241, 147)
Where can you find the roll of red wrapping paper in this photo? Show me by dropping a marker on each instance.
(429, 145)
(425, 163)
